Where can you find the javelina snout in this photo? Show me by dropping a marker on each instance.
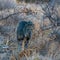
(24, 30)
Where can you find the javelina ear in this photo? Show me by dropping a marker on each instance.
(30, 22)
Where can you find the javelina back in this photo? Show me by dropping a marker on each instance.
(24, 30)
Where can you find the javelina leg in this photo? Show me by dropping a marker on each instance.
(23, 44)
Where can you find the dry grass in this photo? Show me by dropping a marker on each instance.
(12, 58)
(37, 43)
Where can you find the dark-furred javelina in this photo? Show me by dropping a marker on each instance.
(24, 31)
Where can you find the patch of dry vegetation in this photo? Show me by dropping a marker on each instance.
(40, 46)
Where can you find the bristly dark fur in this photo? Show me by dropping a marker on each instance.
(24, 30)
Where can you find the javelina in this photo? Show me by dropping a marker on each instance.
(24, 31)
